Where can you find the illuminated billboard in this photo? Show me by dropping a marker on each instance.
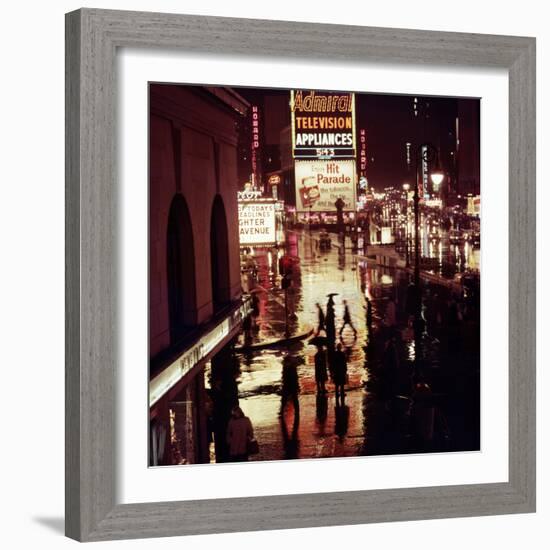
(474, 205)
(323, 124)
(320, 183)
(257, 222)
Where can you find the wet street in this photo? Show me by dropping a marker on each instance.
(330, 304)
(380, 413)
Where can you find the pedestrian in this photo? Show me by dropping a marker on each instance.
(239, 435)
(340, 371)
(347, 320)
(330, 321)
(321, 318)
(321, 369)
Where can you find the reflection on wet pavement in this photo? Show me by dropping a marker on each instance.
(290, 418)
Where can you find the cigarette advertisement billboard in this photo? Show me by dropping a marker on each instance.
(257, 222)
(320, 183)
(323, 124)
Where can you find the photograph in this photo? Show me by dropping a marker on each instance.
(314, 261)
(244, 244)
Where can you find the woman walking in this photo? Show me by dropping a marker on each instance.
(239, 435)
(347, 320)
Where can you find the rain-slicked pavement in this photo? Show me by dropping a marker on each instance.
(291, 419)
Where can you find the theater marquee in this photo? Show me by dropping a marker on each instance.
(257, 222)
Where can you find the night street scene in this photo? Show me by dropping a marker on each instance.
(314, 274)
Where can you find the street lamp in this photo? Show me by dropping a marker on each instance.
(437, 177)
(425, 154)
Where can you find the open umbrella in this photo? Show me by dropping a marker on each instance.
(318, 341)
(332, 294)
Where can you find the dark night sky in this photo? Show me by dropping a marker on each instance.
(389, 122)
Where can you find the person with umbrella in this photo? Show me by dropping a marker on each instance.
(321, 318)
(330, 318)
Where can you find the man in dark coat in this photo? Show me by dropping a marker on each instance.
(321, 369)
(339, 373)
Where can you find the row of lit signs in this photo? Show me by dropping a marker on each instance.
(324, 149)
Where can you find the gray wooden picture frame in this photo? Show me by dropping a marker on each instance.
(92, 39)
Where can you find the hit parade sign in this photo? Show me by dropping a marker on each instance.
(320, 183)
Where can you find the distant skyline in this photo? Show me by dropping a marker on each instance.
(390, 122)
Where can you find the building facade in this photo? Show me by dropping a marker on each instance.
(195, 295)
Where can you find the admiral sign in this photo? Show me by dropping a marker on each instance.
(323, 124)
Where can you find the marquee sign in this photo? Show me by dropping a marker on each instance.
(198, 352)
(248, 194)
(257, 223)
(323, 124)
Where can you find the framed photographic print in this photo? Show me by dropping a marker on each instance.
(300, 275)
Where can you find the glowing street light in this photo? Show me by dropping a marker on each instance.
(437, 178)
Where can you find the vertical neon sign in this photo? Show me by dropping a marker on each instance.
(255, 144)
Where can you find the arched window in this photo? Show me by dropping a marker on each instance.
(180, 268)
(219, 255)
